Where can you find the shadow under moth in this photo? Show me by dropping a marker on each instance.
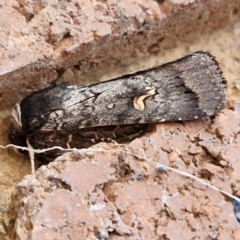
(121, 108)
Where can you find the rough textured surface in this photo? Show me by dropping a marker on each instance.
(42, 39)
(112, 195)
(223, 43)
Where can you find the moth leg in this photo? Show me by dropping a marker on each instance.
(109, 140)
(97, 140)
(114, 135)
(101, 137)
(69, 139)
(116, 144)
(96, 136)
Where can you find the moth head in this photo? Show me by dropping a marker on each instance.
(16, 136)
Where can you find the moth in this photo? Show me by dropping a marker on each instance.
(120, 108)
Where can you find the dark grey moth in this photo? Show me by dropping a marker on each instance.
(120, 108)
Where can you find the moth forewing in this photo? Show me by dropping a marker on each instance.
(183, 89)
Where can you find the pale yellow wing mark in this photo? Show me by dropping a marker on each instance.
(138, 102)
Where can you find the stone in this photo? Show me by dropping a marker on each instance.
(79, 41)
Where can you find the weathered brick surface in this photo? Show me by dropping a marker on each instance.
(42, 39)
(112, 195)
